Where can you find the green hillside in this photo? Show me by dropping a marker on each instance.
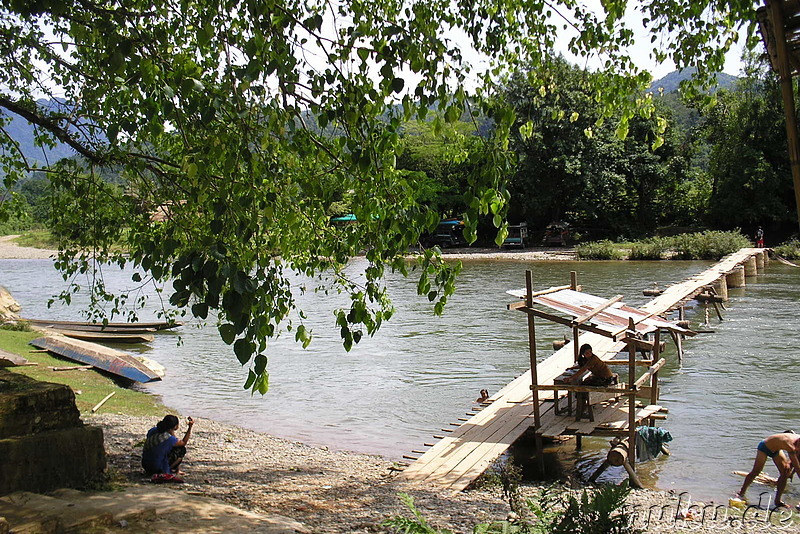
(671, 82)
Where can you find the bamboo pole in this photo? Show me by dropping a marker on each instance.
(654, 375)
(102, 402)
(775, 9)
(632, 386)
(573, 284)
(537, 420)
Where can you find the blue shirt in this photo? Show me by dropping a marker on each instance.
(155, 454)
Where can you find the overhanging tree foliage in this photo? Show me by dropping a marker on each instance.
(573, 165)
(749, 160)
(243, 122)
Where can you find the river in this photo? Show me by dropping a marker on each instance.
(392, 392)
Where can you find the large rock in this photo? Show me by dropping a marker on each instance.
(73, 458)
(28, 406)
(44, 445)
(9, 307)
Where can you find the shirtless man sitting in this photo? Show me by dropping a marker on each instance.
(601, 373)
(771, 447)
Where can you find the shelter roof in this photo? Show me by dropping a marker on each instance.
(608, 315)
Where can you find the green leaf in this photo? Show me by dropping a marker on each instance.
(227, 332)
(398, 84)
(200, 310)
(243, 349)
(260, 364)
(251, 378)
(262, 383)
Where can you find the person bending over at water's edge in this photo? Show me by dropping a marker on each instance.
(774, 447)
(163, 452)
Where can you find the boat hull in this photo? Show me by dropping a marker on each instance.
(107, 359)
(106, 337)
(109, 327)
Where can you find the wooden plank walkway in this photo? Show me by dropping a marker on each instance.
(461, 456)
(680, 293)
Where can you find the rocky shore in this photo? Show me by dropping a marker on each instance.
(341, 492)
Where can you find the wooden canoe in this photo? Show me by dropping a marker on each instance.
(100, 327)
(107, 337)
(8, 359)
(100, 357)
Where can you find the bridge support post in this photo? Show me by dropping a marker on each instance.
(750, 267)
(721, 287)
(735, 278)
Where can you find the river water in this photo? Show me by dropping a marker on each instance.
(391, 393)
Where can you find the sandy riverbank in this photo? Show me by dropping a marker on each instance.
(333, 491)
(9, 250)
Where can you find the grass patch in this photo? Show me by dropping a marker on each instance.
(600, 250)
(93, 385)
(37, 239)
(789, 250)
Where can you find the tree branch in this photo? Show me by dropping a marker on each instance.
(60, 133)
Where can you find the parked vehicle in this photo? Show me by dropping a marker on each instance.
(557, 233)
(449, 233)
(517, 235)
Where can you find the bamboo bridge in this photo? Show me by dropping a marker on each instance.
(531, 401)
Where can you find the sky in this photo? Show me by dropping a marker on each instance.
(640, 55)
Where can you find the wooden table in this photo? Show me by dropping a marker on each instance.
(568, 378)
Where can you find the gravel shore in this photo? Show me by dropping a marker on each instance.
(341, 492)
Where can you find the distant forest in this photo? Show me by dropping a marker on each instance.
(691, 167)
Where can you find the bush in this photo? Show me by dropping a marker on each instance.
(17, 326)
(654, 248)
(552, 511)
(38, 239)
(709, 245)
(601, 511)
(599, 250)
(789, 250)
(412, 525)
